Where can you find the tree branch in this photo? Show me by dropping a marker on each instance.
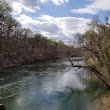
(94, 70)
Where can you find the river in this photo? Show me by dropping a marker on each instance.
(46, 85)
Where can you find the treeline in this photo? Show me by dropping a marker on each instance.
(20, 45)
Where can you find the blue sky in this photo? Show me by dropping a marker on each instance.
(58, 19)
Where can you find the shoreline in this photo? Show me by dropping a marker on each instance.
(28, 62)
(102, 102)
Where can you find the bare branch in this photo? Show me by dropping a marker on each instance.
(94, 70)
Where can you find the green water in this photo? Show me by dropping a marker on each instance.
(45, 86)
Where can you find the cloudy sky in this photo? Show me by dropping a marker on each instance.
(59, 19)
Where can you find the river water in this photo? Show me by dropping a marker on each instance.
(47, 85)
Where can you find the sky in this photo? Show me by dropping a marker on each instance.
(58, 19)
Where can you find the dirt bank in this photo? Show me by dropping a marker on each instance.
(102, 102)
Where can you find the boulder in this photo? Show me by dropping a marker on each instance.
(2, 107)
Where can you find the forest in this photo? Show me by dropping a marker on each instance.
(20, 45)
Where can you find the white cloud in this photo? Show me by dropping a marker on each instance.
(60, 28)
(24, 19)
(94, 7)
(27, 5)
(17, 8)
(43, 1)
(30, 5)
(72, 25)
(99, 4)
(56, 2)
(59, 2)
(84, 11)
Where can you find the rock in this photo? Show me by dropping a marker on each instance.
(2, 107)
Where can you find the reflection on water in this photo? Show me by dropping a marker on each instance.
(45, 86)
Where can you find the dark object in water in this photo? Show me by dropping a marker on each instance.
(2, 107)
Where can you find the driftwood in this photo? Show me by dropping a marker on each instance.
(98, 73)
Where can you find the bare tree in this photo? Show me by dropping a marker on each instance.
(96, 46)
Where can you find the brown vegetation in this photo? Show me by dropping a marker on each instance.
(96, 46)
(20, 45)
